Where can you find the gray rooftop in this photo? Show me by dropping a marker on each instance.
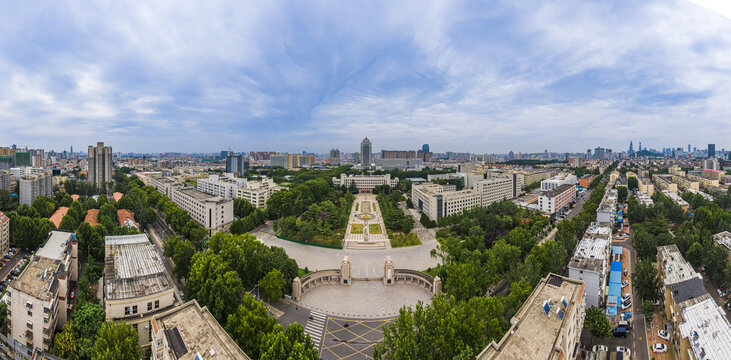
(55, 245)
(133, 268)
(688, 289)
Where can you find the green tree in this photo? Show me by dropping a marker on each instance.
(648, 308)
(88, 318)
(406, 225)
(272, 286)
(116, 341)
(645, 280)
(45, 206)
(632, 183)
(66, 343)
(291, 343)
(622, 193)
(249, 324)
(597, 322)
(694, 254)
(68, 223)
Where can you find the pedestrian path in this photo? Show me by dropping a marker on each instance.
(316, 327)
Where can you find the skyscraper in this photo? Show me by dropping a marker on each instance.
(511, 155)
(335, 157)
(711, 150)
(366, 152)
(235, 164)
(72, 151)
(631, 150)
(425, 148)
(688, 147)
(100, 164)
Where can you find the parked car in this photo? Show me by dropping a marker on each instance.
(662, 334)
(622, 349)
(624, 284)
(599, 347)
(619, 332)
(626, 297)
(656, 302)
(626, 305)
(659, 348)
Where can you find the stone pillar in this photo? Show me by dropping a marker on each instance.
(296, 289)
(388, 272)
(437, 286)
(345, 271)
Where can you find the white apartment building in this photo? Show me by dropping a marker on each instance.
(163, 185)
(554, 200)
(212, 212)
(189, 332)
(34, 186)
(4, 233)
(644, 199)
(606, 212)
(558, 180)
(590, 262)
(365, 183)
(6, 180)
(437, 201)
(257, 192)
(136, 286)
(225, 187)
(21, 172)
(548, 325)
(705, 331)
(676, 199)
(37, 304)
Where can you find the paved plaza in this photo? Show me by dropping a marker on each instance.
(364, 299)
(365, 213)
(354, 341)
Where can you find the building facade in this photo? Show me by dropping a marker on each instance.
(366, 153)
(136, 287)
(257, 192)
(225, 187)
(235, 164)
(590, 262)
(365, 183)
(438, 201)
(34, 186)
(4, 233)
(100, 164)
(558, 180)
(163, 185)
(5, 180)
(334, 157)
(557, 199)
(213, 213)
(38, 297)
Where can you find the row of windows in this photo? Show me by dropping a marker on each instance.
(133, 309)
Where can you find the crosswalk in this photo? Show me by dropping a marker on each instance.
(316, 327)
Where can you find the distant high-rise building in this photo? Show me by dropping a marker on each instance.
(631, 150)
(588, 153)
(33, 186)
(688, 147)
(72, 151)
(366, 152)
(711, 150)
(425, 148)
(639, 148)
(235, 164)
(511, 156)
(100, 164)
(22, 158)
(335, 156)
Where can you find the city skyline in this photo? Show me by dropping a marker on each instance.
(457, 76)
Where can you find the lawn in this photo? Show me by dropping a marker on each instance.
(357, 206)
(374, 228)
(356, 229)
(402, 240)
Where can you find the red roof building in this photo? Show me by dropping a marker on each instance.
(58, 216)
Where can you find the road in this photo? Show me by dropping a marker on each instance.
(639, 338)
(10, 264)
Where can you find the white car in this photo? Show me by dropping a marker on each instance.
(624, 284)
(659, 348)
(622, 349)
(662, 334)
(599, 347)
(626, 297)
(626, 305)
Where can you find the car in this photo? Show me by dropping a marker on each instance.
(72, 294)
(7, 256)
(599, 348)
(659, 348)
(662, 334)
(619, 332)
(624, 284)
(626, 297)
(622, 349)
(626, 305)
(656, 302)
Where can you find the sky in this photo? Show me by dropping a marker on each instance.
(467, 76)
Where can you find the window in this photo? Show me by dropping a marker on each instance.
(134, 326)
(157, 304)
(134, 309)
(126, 310)
(30, 313)
(149, 306)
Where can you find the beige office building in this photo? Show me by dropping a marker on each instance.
(37, 299)
(548, 325)
(163, 185)
(257, 192)
(189, 332)
(365, 183)
(136, 286)
(212, 212)
(438, 201)
(100, 164)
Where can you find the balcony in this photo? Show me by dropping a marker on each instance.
(29, 335)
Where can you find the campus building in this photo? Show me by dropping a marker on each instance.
(38, 297)
(437, 201)
(257, 192)
(548, 325)
(365, 183)
(222, 186)
(590, 262)
(163, 185)
(558, 180)
(34, 186)
(291, 161)
(212, 212)
(189, 332)
(559, 198)
(136, 286)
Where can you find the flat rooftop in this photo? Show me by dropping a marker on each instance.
(674, 267)
(590, 254)
(595, 231)
(133, 268)
(56, 245)
(560, 189)
(708, 330)
(534, 335)
(199, 195)
(190, 330)
(38, 278)
(723, 239)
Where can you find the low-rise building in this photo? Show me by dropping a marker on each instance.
(664, 183)
(136, 286)
(590, 262)
(676, 199)
(257, 192)
(548, 325)
(701, 193)
(558, 180)
(189, 332)
(163, 185)
(705, 332)
(704, 182)
(723, 238)
(33, 186)
(606, 212)
(644, 199)
(685, 183)
(712, 174)
(38, 297)
(213, 213)
(557, 199)
(585, 181)
(365, 183)
(225, 187)
(57, 217)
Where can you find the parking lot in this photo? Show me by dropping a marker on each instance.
(8, 265)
